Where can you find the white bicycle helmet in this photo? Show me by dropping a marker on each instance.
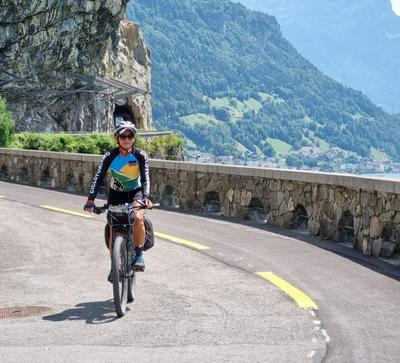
(123, 126)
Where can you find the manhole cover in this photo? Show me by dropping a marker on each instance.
(22, 311)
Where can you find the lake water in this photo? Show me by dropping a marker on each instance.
(384, 175)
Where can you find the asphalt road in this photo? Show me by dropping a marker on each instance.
(192, 305)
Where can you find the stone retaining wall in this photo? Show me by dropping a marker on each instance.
(364, 211)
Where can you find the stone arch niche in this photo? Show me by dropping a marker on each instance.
(256, 211)
(102, 189)
(23, 175)
(390, 237)
(346, 227)
(81, 186)
(45, 178)
(72, 183)
(168, 198)
(389, 232)
(299, 218)
(212, 204)
(3, 173)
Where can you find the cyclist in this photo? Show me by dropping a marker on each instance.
(130, 182)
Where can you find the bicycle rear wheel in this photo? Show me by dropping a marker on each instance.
(119, 274)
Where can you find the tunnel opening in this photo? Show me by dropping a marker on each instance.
(299, 218)
(346, 227)
(168, 198)
(3, 173)
(211, 204)
(256, 211)
(23, 176)
(123, 113)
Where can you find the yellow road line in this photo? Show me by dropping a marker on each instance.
(66, 211)
(181, 241)
(2, 196)
(300, 297)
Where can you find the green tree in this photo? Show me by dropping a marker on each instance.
(268, 150)
(221, 114)
(294, 160)
(6, 124)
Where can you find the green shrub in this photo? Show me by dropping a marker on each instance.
(37, 141)
(160, 146)
(6, 124)
(103, 142)
(164, 146)
(67, 143)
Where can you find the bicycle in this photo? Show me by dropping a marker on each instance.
(120, 220)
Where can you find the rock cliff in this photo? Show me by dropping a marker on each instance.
(56, 58)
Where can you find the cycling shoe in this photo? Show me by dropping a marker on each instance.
(139, 263)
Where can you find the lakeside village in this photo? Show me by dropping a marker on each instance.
(307, 158)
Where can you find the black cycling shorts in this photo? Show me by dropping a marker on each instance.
(115, 197)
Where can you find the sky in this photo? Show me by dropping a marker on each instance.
(396, 6)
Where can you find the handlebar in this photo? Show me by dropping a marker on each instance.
(99, 210)
(127, 207)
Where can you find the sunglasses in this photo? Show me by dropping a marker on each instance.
(123, 136)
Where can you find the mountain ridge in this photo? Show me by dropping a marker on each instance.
(354, 43)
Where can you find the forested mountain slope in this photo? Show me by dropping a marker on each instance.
(227, 79)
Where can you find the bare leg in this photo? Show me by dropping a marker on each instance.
(138, 229)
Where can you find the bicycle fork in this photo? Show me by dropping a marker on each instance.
(130, 252)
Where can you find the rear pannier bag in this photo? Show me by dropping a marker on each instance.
(149, 240)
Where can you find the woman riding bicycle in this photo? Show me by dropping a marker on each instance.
(130, 182)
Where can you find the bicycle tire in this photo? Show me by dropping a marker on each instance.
(119, 273)
(132, 287)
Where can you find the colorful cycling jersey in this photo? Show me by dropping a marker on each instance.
(125, 173)
(128, 172)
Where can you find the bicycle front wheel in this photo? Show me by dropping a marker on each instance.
(132, 287)
(119, 273)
